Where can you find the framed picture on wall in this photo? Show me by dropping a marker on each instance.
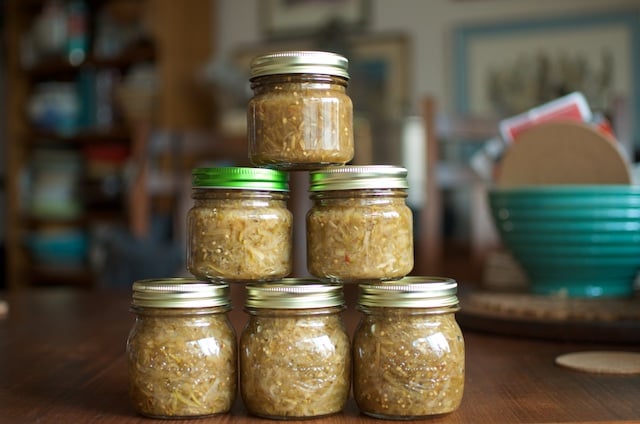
(502, 69)
(287, 18)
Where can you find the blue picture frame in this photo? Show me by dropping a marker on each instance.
(464, 35)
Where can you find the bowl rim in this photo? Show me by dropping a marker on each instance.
(564, 188)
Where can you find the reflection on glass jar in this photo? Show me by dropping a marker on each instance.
(300, 116)
(239, 228)
(360, 227)
(295, 357)
(409, 356)
(181, 350)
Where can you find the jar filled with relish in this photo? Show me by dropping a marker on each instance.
(181, 350)
(359, 226)
(295, 357)
(239, 228)
(300, 116)
(408, 350)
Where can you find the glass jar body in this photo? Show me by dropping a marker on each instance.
(355, 235)
(295, 363)
(300, 121)
(239, 235)
(182, 362)
(408, 363)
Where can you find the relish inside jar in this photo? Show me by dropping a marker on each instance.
(409, 356)
(181, 350)
(359, 227)
(295, 357)
(300, 116)
(239, 228)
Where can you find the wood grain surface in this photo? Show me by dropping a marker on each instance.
(62, 361)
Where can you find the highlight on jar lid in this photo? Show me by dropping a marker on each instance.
(294, 293)
(410, 292)
(300, 62)
(179, 293)
(358, 177)
(230, 177)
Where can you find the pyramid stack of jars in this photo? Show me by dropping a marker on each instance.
(295, 358)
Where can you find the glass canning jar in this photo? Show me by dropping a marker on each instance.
(408, 350)
(239, 228)
(359, 226)
(181, 350)
(295, 358)
(300, 116)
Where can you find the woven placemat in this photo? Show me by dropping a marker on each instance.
(524, 314)
(553, 308)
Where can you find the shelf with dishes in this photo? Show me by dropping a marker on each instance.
(76, 152)
(83, 104)
(68, 192)
(61, 250)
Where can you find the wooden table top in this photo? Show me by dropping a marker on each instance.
(62, 360)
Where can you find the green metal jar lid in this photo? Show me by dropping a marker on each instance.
(299, 62)
(358, 177)
(240, 178)
(294, 293)
(179, 293)
(410, 292)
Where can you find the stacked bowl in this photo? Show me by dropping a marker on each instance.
(566, 207)
(575, 240)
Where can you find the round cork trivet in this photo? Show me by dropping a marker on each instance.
(563, 152)
(602, 362)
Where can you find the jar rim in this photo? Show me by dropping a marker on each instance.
(232, 177)
(354, 177)
(410, 292)
(294, 293)
(179, 293)
(299, 62)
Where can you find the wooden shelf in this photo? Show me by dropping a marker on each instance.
(85, 219)
(58, 68)
(112, 135)
(42, 275)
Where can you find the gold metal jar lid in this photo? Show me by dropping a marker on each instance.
(299, 62)
(179, 293)
(358, 177)
(410, 292)
(294, 293)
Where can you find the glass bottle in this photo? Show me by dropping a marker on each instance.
(239, 228)
(181, 350)
(408, 350)
(359, 226)
(300, 116)
(295, 359)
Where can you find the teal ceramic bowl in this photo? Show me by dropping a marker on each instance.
(568, 196)
(581, 241)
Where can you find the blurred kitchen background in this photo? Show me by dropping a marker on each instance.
(107, 106)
